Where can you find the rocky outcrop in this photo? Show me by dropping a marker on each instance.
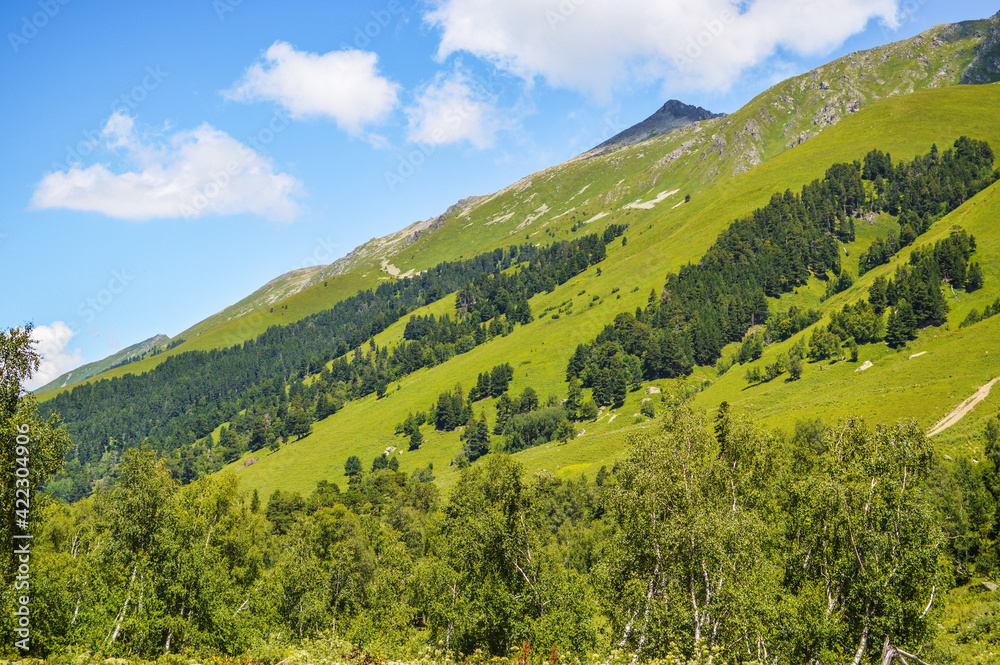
(672, 115)
(985, 67)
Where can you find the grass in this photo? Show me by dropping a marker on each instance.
(662, 239)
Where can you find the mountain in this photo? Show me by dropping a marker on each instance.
(603, 183)
(124, 357)
(672, 115)
(782, 139)
(358, 345)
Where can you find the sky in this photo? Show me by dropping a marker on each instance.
(162, 161)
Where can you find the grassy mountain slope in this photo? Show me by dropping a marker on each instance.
(126, 355)
(601, 185)
(662, 238)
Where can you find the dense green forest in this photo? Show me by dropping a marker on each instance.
(175, 407)
(258, 387)
(705, 537)
(704, 307)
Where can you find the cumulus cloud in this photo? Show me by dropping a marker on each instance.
(451, 109)
(190, 173)
(52, 344)
(595, 46)
(343, 85)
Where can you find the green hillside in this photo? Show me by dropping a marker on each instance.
(128, 355)
(214, 509)
(926, 387)
(600, 186)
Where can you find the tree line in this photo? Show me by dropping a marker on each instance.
(178, 404)
(707, 536)
(705, 306)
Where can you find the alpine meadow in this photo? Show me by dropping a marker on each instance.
(717, 390)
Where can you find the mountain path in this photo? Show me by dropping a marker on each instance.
(963, 408)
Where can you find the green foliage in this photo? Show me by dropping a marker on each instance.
(533, 428)
(838, 284)
(487, 292)
(776, 248)
(476, 438)
(648, 409)
(31, 452)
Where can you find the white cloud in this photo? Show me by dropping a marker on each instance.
(51, 343)
(596, 46)
(451, 110)
(343, 85)
(188, 174)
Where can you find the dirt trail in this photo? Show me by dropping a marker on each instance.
(963, 409)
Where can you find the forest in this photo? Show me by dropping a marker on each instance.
(709, 539)
(708, 536)
(259, 386)
(715, 302)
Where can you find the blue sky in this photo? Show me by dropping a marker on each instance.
(164, 160)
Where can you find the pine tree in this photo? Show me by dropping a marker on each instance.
(877, 295)
(901, 325)
(416, 439)
(973, 278)
(476, 438)
(574, 398)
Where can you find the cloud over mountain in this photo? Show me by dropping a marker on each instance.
(597, 46)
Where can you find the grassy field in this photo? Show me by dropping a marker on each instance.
(926, 387)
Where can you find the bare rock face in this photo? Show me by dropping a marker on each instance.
(672, 115)
(985, 67)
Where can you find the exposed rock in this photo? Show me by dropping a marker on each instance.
(985, 67)
(672, 115)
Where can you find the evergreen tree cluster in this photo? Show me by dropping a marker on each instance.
(493, 383)
(783, 324)
(975, 316)
(923, 190)
(778, 247)
(181, 401)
